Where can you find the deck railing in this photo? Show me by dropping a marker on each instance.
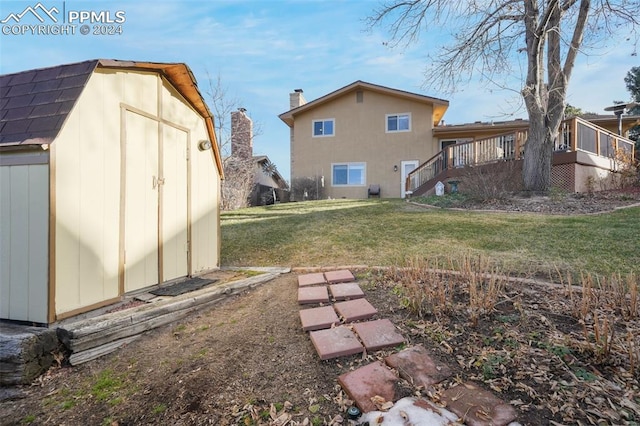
(576, 134)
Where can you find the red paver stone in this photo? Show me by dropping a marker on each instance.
(335, 342)
(311, 279)
(416, 366)
(477, 407)
(307, 295)
(354, 310)
(378, 334)
(368, 381)
(346, 291)
(318, 318)
(342, 276)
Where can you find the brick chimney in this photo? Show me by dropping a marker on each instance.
(241, 134)
(296, 99)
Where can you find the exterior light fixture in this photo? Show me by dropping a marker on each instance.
(395, 167)
(204, 145)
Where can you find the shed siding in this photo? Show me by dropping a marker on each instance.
(161, 133)
(24, 216)
(205, 214)
(87, 161)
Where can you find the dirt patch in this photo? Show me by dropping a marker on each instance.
(247, 361)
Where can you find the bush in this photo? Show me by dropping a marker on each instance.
(494, 181)
(307, 188)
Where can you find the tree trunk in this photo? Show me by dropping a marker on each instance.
(536, 168)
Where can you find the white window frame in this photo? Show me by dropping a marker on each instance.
(323, 120)
(398, 115)
(362, 164)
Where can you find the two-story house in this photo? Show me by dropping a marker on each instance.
(366, 136)
(359, 136)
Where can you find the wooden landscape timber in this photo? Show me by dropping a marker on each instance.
(93, 337)
(25, 353)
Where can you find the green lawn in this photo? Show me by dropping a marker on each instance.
(386, 232)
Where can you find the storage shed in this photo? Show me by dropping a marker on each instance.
(109, 183)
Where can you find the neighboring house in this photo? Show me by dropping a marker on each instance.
(361, 135)
(270, 186)
(110, 183)
(267, 186)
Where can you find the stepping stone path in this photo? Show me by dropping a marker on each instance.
(334, 332)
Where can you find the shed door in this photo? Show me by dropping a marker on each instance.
(141, 203)
(174, 204)
(156, 246)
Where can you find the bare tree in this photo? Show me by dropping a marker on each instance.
(239, 170)
(488, 36)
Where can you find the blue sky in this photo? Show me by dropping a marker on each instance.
(262, 50)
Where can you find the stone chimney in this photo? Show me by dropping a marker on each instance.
(241, 134)
(296, 99)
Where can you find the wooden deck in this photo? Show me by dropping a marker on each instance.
(576, 135)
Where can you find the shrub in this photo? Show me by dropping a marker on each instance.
(491, 181)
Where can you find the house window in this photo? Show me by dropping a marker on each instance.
(346, 174)
(398, 122)
(323, 127)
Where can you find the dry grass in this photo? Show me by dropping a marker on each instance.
(603, 306)
(430, 286)
(570, 352)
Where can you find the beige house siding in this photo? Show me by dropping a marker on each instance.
(360, 136)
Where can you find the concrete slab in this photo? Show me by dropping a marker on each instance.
(477, 407)
(354, 310)
(341, 276)
(416, 366)
(378, 334)
(374, 379)
(335, 342)
(346, 291)
(309, 295)
(311, 279)
(318, 318)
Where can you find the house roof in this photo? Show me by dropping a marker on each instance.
(439, 105)
(471, 129)
(34, 104)
(276, 176)
(610, 120)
